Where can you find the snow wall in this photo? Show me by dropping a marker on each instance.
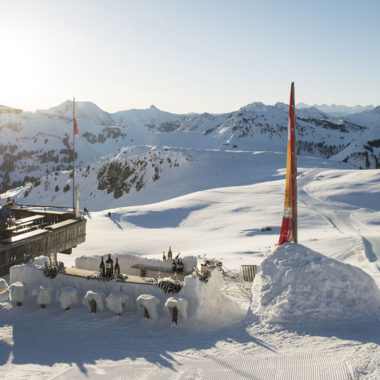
(127, 261)
(297, 284)
(206, 301)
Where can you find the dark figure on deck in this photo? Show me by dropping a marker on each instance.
(6, 212)
(5, 215)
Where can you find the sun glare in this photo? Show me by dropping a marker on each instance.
(24, 69)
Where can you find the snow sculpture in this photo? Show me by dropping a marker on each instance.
(300, 286)
(175, 305)
(3, 285)
(93, 300)
(148, 304)
(16, 293)
(67, 296)
(43, 294)
(117, 302)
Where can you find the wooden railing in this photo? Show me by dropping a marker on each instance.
(60, 233)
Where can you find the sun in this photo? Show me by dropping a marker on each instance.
(24, 70)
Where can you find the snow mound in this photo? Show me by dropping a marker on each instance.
(40, 260)
(297, 284)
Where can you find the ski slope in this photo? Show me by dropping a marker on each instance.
(218, 208)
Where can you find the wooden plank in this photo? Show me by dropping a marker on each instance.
(23, 236)
(29, 219)
(62, 224)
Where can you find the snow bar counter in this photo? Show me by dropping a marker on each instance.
(36, 233)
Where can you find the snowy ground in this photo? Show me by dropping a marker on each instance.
(339, 216)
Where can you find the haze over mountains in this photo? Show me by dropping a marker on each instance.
(338, 110)
(120, 154)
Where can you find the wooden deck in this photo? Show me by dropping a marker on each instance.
(41, 233)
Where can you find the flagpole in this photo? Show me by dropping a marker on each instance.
(74, 155)
(294, 171)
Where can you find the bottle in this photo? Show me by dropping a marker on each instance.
(117, 268)
(178, 255)
(170, 254)
(163, 256)
(180, 266)
(174, 265)
(109, 266)
(102, 268)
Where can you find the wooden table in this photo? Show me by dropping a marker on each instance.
(29, 220)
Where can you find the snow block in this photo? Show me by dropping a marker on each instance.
(149, 303)
(43, 294)
(67, 296)
(16, 293)
(98, 297)
(27, 273)
(117, 302)
(299, 285)
(179, 303)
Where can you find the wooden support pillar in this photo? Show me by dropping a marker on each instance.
(93, 306)
(174, 311)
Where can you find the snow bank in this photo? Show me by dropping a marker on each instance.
(40, 260)
(127, 261)
(297, 284)
(207, 302)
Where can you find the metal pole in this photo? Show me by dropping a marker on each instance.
(73, 156)
(294, 172)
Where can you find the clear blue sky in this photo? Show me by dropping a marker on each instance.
(188, 56)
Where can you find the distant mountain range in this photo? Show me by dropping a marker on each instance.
(113, 148)
(337, 110)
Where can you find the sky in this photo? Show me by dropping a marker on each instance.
(188, 56)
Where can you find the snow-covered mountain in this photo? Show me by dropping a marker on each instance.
(370, 118)
(337, 110)
(37, 144)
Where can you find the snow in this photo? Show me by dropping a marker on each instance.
(117, 302)
(297, 285)
(67, 296)
(98, 297)
(215, 204)
(40, 260)
(179, 303)
(43, 294)
(16, 292)
(150, 303)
